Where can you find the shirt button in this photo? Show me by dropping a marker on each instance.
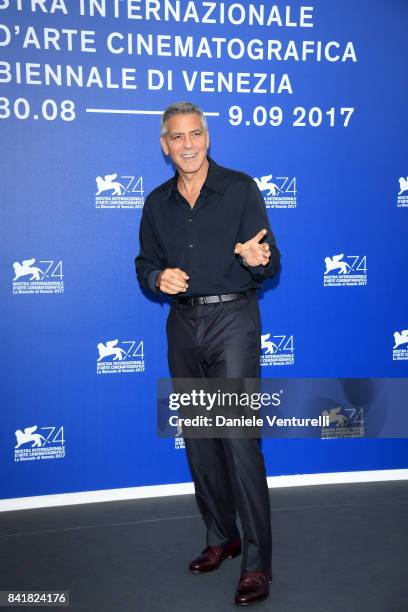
(191, 246)
(190, 220)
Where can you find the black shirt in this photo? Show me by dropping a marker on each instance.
(201, 240)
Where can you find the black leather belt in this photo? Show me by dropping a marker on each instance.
(199, 300)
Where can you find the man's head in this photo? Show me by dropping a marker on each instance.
(184, 136)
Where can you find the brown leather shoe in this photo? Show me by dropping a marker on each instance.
(211, 557)
(253, 587)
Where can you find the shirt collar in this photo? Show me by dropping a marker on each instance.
(214, 180)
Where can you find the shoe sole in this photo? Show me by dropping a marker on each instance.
(252, 603)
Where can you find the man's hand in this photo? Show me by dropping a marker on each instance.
(253, 253)
(172, 281)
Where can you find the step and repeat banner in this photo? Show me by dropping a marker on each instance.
(308, 99)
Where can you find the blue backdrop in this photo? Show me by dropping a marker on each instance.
(324, 137)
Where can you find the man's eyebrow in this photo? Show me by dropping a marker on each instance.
(181, 133)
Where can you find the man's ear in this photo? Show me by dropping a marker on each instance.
(164, 146)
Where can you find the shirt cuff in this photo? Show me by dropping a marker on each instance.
(151, 281)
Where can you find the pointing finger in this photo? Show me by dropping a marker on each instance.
(259, 235)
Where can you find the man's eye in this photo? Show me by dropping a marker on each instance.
(176, 136)
(197, 133)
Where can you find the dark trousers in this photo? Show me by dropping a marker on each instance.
(223, 341)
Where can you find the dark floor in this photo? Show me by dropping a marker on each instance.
(337, 548)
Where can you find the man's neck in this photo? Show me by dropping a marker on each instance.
(191, 182)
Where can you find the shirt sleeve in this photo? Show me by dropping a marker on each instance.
(255, 218)
(151, 259)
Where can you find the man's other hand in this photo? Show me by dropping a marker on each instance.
(254, 253)
(172, 281)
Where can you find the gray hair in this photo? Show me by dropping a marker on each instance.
(181, 107)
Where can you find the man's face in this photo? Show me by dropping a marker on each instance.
(186, 141)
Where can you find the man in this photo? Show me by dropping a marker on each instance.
(205, 239)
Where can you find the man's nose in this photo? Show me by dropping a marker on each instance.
(188, 142)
